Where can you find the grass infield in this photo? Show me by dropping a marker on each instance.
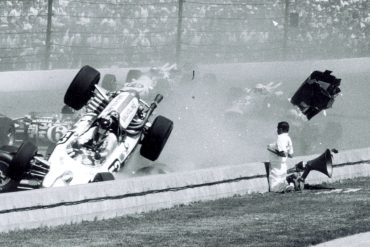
(305, 218)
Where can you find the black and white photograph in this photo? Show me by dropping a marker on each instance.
(185, 123)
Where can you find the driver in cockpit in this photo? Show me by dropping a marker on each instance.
(102, 137)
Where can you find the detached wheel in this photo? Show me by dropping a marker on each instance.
(133, 74)
(157, 136)
(20, 163)
(103, 176)
(109, 82)
(82, 87)
(6, 183)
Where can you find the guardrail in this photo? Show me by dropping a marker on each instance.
(66, 205)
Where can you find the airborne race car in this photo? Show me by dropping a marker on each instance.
(98, 144)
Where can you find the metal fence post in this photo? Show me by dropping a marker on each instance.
(286, 27)
(179, 32)
(48, 35)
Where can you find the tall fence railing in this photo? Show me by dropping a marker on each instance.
(45, 34)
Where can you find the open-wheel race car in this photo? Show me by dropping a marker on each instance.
(316, 93)
(111, 127)
(264, 100)
(153, 80)
(42, 128)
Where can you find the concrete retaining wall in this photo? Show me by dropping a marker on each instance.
(55, 206)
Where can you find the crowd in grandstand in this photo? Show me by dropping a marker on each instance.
(128, 32)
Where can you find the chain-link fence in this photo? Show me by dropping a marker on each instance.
(39, 34)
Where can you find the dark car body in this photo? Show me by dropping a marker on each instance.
(316, 93)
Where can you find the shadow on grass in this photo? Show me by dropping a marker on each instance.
(318, 187)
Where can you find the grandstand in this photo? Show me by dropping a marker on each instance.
(53, 34)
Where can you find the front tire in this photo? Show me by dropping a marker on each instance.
(82, 87)
(156, 138)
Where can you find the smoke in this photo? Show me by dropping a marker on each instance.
(204, 135)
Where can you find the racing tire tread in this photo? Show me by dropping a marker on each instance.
(156, 138)
(82, 87)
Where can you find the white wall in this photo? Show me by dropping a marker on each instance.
(56, 206)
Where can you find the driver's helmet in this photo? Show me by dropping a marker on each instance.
(108, 121)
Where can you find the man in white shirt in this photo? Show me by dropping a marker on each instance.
(279, 152)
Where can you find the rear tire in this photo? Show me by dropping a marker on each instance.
(156, 138)
(82, 87)
(20, 163)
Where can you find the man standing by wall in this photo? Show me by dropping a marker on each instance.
(279, 152)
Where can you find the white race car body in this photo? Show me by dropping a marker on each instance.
(69, 166)
(111, 125)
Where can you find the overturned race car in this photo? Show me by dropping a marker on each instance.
(316, 93)
(113, 124)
